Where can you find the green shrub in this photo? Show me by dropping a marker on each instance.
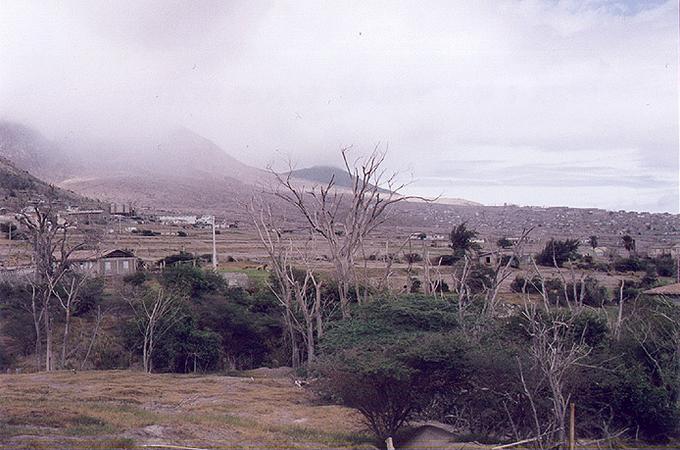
(558, 252)
(393, 358)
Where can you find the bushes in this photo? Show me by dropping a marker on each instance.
(187, 348)
(631, 264)
(91, 295)
(445, 260)
(554, 287)
(192, 280)
(412, 258)
(249, 327)
(393, 359)
(558, 252)
(666, 266)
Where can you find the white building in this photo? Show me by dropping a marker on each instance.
(178, 220)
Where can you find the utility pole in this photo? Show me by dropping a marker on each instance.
(214, 252)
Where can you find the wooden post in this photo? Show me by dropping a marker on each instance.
(214, 246)
(572, 426)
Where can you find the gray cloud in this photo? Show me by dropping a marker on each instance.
(577, 85)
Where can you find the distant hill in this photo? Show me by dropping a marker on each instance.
(18, 188)
(175, 169)
(29, 150)
(449, 201)
(323, 175)
(176, 153)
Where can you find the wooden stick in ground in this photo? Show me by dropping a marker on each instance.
(572, 426)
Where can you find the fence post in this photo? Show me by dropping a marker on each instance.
(572, 426)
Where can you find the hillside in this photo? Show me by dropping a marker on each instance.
(18, 187)
(175, 153)
(29, 150)
(177, 169)
(323, 175)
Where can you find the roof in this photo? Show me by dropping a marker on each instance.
(670, 289)
(92, 255)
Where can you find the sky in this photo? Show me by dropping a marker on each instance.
(532, 102)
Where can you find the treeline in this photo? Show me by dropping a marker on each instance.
(210, 326)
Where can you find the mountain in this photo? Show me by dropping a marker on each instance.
(176, 169)
(175, 153)
(323, 175)
(18, 187)
(29, 150)
(448, 201)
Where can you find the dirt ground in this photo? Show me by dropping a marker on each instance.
(124, 409)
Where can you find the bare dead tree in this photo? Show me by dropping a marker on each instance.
(383, 281)
(34, 308)
(299, 291)
(433, 279)
(345, 217)
(52, 243)
(68, 295)
(156, 311)
(541, 289)
(502, 270)
(95, 333)
(556, 353)
(619, 318)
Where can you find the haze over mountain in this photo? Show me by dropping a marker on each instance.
(536, 102)
(18, 187)
(175, 170)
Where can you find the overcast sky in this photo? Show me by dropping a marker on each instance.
(539, 102)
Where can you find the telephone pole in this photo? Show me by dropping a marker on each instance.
(214, 249)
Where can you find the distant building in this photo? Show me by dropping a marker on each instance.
(673, 251)
(178, 220)
(487, 258)
(112, 263)
(204, 220)
(121, 209)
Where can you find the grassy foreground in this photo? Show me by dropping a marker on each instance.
(125, 409)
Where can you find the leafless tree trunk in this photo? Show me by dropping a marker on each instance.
(50, 239)
(156, 311)
(303, 308)
(619, 318)
(556, 355)
(36, 314)
(345, 219)
(68, 296)
(503, 270)
(95, 332)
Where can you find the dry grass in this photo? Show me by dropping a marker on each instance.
(123, 409)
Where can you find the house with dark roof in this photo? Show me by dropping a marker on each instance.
(108, 263)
